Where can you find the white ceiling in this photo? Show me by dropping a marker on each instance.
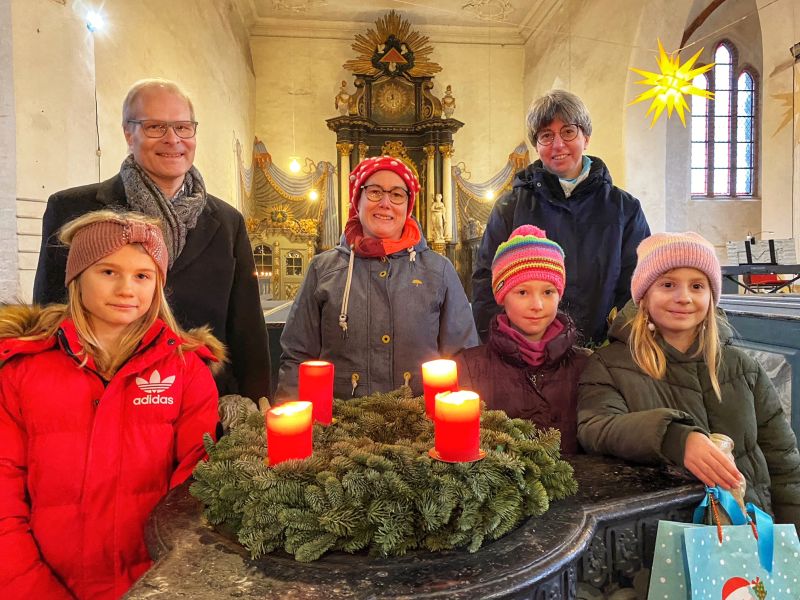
(521, 17)
(420, 12)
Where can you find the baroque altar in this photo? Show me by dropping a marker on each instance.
(393, 111)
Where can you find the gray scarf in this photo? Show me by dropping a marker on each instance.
(178, 215)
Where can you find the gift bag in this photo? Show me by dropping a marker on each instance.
(736, 568)
(749, 559)
(669, 575)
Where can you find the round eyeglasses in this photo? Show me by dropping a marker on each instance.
(375, 193)
(158, 129)
(567, 133)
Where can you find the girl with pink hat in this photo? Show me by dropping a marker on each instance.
(670, 377)
(530, 365)
(382, 302)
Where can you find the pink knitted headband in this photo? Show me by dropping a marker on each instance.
(98, 240)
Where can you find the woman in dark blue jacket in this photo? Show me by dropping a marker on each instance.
(571, 196)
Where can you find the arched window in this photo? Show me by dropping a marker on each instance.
(725, 130)
(263, 259)
(294, 263)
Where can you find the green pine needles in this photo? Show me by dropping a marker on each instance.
(370, 484)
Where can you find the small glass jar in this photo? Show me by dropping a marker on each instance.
(725, 444)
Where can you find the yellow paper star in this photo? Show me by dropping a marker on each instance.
(669, 86)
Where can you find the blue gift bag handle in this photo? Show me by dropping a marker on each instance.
(764, 524)
(726, 501)
(766, 535)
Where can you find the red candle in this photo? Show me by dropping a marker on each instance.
(438, 376)
(316, 385)
(289, 429)
(457, 426)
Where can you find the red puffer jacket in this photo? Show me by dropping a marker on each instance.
(83, 461)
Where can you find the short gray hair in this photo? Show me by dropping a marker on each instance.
(557, 103)
(146, 84)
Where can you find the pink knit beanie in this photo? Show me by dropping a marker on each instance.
(527, 255)
(662, 252)
(101, 238)
(368, 166)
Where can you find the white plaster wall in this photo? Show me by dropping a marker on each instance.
(8, 212)
(201, 45)
(723, 219)
(585, 49)
(208, 55)
(780, 26)
(574, 53)
(55, 115)
(301, 75)
(657, 169)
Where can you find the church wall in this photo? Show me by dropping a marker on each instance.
(723, 219)
(303, 74)
(574, 51)
(780, 213)
(55, 118)
(8, 212)
(207, 54)
(59, 66)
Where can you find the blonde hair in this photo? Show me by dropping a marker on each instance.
(650, 358)
(50, 318)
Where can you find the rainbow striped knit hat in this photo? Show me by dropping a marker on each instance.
(527, 255)
(662, 252)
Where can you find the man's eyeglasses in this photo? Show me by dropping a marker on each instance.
(567, 133)
(158, 129)
(375, 193)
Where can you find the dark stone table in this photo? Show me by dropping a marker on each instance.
(602, 536)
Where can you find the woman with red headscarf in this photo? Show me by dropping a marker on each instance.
(381, 303)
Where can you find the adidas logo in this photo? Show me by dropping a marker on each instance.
(156, 384)
(154, 387)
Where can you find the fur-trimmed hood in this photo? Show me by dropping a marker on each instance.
(23, 320)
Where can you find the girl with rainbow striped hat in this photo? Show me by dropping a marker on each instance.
(530, 365)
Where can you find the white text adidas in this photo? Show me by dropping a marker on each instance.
(157, 385)
(151, 399)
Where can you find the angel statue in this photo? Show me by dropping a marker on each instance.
(342, 100)
(438, 224)
(448, 103)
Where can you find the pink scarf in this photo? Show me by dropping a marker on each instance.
(532, 353)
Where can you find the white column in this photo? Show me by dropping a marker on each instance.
(447, 190)
(430, 188)
(344, 182)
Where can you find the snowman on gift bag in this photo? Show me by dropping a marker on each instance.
(738, 588)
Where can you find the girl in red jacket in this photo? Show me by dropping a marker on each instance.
(103, 406)
(530, 365)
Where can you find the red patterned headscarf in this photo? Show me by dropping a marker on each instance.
(354, 233)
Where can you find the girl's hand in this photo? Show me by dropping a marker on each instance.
(708, 463)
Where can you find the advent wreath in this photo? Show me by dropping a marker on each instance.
(370, 484)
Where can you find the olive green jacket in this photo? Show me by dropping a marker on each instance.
(624, 412)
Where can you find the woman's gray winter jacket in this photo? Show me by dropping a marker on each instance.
(401, 313)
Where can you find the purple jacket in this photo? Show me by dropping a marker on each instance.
(546, 395)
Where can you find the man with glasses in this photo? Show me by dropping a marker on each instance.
(211, 277)
(571, 196)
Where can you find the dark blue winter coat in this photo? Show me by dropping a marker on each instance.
(599, 227)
